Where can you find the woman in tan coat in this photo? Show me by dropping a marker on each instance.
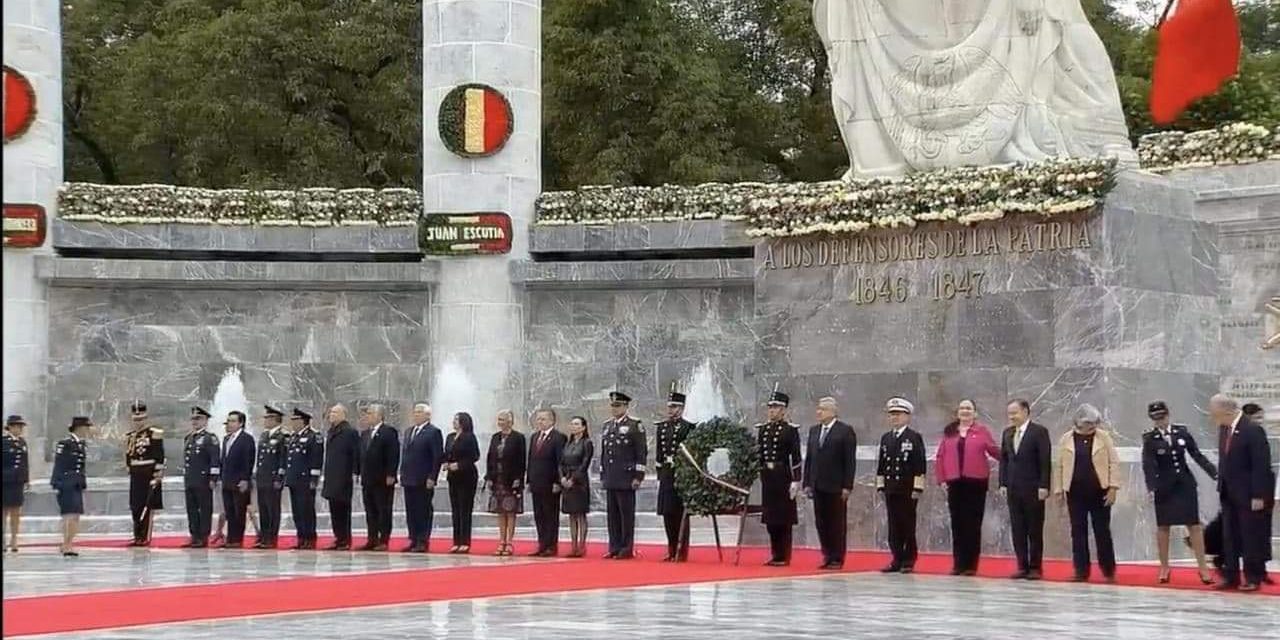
(1087, 471)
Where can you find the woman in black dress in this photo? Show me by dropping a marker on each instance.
(461, 452)
(1173, 486)
(17, 475)
(575, 497)
(504, 478)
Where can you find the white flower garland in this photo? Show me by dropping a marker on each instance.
(1229, 144)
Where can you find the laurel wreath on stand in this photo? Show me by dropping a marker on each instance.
(703, 496)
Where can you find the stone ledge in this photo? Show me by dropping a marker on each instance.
(73, 272)
(637, 236)
(67, 234)
(633, 274)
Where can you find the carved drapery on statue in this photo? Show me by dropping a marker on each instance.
(927, 84)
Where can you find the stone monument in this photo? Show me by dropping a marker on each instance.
(929, 84)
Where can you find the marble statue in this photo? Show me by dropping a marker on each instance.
(927, 84)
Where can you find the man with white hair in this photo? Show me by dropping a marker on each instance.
(341, 466)
(1244, 486)
(829, 467)
(379, 462)
(419, 467)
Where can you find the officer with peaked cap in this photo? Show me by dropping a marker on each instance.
(202, 458)
(670, 433)
(302, 472)
(69, 479)
(16, 466)
(1172, 484)
(900, 474)
(144, 458)
(623, 453)
(778, 441)
(269, 476)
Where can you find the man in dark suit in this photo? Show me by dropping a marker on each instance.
(419, 468)
(272, 456)
(900, 472)
(302, 472)
(237, 476)
(341, 466)
(1025, 470)
(542, 474)
(202, 466)
(379, 464)
(1244, 487)
(830, 464)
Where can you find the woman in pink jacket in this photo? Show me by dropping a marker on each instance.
(963, 465)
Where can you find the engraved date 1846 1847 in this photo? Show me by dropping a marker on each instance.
(940, 286)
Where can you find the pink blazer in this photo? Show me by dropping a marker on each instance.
(977, 446)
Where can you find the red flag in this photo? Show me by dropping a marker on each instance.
(1198, 49)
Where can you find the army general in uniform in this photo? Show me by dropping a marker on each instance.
(202, 466)
(1173, 485)
(670, 433)
(302, 469)
(622, 456)
(780, 473)
(269, 476)
(144, 457)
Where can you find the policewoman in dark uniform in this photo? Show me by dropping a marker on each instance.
(16, 465)
(670, 433)
(900, 473)
(623, 453)
(778, 441)
(269, 476)
(202, 466)
(144, 457)
(69, 481)
(304, 462)
(1172, 485)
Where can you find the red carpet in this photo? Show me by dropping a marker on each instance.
(132, 607)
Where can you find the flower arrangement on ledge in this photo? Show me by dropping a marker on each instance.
(158, 204)
(965, 195)
(1235, 143)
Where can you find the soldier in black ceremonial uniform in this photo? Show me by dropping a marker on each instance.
(623, 453)
(669, 434)
(144, 457)
(17, 476)
(69, 480)
(202, 458)
(303, 466)
(900, 473)
(1172, 484)
(272, 455)
(778, 441)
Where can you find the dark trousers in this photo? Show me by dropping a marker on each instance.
(546, 517)
(378, 499)
(829, 513)
(140, 491)
(677, 528)
(1244, 538)
(418, 514)
(302, 502)
(340, 518)
(967, 502)
(779, 542)
(1026, 519)
(1084, 505)
(901, 510)
(268, 512)
(235, 503)
(199, 502)
(621, 507)
(462, 502)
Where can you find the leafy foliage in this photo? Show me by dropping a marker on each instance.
(701, 496)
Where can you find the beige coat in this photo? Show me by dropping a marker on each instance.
(1106, 461)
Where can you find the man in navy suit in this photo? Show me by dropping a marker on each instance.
(830, 465)
(1244, 487)
(379, 463)
(1025, 466)
(419, 467)
(546, 447)
(237, 474)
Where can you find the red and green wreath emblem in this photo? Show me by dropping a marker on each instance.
(19, 104)
(475, 120)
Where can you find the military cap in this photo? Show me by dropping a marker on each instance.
(779, 399)
(898, 405)
(618, 397)
(80, 421)
(1158, 409)
(14, 420)
(302, 415)
(138, 406)
(198, 411)
(272, 411)
(676, 398)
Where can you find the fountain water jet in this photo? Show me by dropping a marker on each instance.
(704, 398)
(454, 392)
(229, 397)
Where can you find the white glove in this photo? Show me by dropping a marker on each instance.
(795, 490)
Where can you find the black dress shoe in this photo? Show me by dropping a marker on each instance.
(188, 544)
(74, 554)
(1250, 586)
(832, 566)
(776, 563)
(609, 556)
(199, 545)
(669, 558)
(1226, 586)
(1020, 575)
(1033, 575)
(969, 572)
(1080, 577)
(908, 569)
(625, 556)
(892, 568)
(381, 546)
(368, 546)
(957, 571)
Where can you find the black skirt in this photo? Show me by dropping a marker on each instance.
(14, 495)
(576, 500)
(1178, 505)
(70, 501)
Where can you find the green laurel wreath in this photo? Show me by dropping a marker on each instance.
(702, 497)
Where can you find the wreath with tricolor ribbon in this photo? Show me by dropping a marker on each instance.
(475, 120)
(703, 492)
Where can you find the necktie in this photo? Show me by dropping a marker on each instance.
(1017, 439)
(822, 439)
(1226, 448)
(542, 439)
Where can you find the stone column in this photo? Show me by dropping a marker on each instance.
(32, 174)
(476, 313)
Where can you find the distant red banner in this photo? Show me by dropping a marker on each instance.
(24, 225)
(462, 234)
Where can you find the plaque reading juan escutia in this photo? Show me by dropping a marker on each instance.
(464, 234)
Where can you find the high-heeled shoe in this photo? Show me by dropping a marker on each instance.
(464, 549)
(453, 549)
(1206, 579)
(1163, 578)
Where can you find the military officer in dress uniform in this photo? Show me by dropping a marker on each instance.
(202, 457)
(778, 441)
(69, 480)
(622, 458)
(269, 476)
(17, 476)
(144, 458)
(900, 473)
(1172, 485)
(303, 466)
(670, 433)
